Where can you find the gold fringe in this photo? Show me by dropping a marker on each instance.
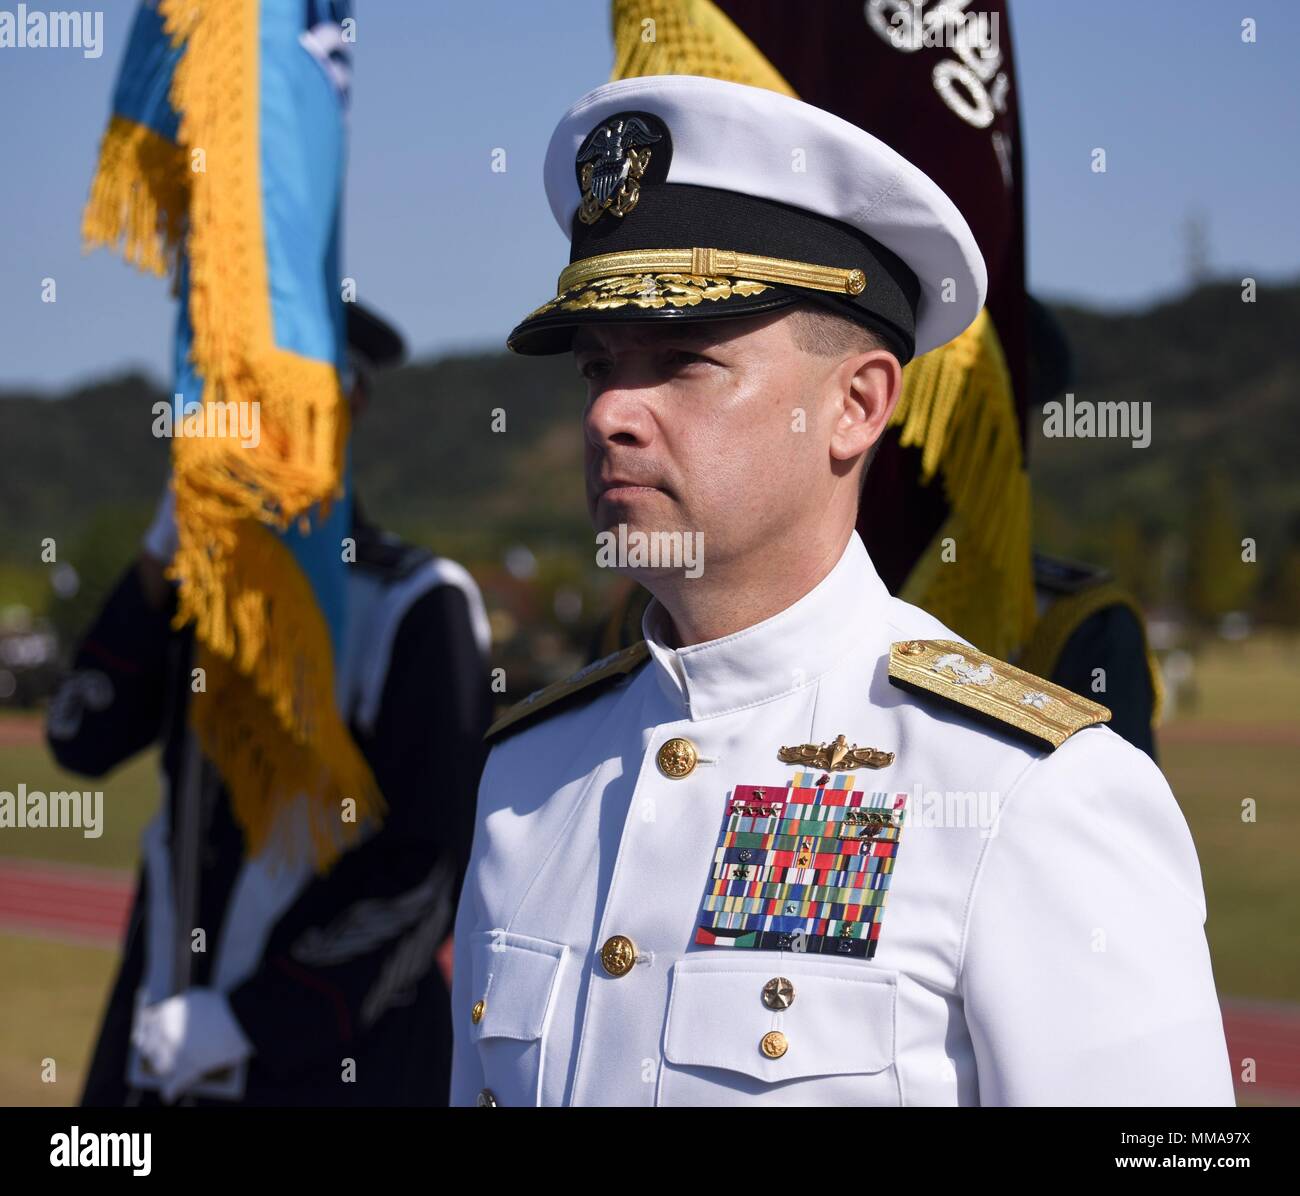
(267, 718)
(687, 37)
(215, 88)
(957, 407)
(138, 197)
(269, 721)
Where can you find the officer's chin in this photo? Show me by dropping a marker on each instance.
(639, 509)
(636, 540)
(653, 579)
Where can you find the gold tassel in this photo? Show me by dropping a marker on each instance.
(687, 37)
(957, 407)
(267, 719)
(138, 198)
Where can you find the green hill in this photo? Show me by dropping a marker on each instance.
(1220, 376)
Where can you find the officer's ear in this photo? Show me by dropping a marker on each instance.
(864, 378)
(868, 384)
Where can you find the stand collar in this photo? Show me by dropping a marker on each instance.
(783, 652)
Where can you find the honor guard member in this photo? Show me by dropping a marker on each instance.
(302, 971)
(800, 845)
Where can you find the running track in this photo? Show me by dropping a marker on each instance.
(91, 906)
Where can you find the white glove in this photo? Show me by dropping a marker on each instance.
(187, 1036)
(160, 540)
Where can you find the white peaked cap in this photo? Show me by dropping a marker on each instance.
(755, 142)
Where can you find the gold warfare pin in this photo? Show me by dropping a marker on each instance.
(838, 754)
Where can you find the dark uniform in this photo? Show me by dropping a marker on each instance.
(1090, 632)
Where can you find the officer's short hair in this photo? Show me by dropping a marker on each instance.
(825, 334)
(822, 333)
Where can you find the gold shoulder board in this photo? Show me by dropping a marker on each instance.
(996, 691)
(553, 698)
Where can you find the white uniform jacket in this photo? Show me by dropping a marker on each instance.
(981, 921)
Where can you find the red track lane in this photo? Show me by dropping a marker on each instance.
(61, 901)
(89, 905)
(1269, 1034)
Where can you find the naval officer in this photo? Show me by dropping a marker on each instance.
(800, 845)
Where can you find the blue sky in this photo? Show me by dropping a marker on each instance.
(1193, 121)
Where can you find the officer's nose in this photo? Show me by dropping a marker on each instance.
(618, 414)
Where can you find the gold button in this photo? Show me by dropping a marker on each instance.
(911, 648)
(856, 282)
(774, 1044)
(778, 993)
(618, 955)
(677, 758)
(476, 1014)
(486, 1100)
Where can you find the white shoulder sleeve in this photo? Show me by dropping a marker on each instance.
(1085, 970)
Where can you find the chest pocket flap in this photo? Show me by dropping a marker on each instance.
(513, 976)
(840, 1020)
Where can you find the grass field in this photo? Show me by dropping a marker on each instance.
(53, 993)
(1252, 681)
(1249, 868)
(53, 996)
(1241, 740)
(130, 798)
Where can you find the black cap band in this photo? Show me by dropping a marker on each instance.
(676, 215)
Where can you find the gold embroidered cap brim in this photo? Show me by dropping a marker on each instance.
(643, 298)
(639, 284)
(648, 292)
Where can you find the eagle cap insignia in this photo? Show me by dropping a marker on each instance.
(611, 163)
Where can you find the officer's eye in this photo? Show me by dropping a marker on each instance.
(593, 369)
(681, 358)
